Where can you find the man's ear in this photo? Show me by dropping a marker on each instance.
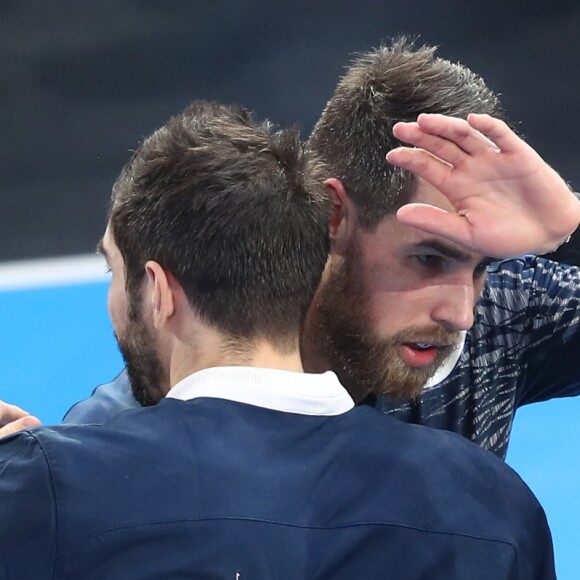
(342, 218)
(159, 293)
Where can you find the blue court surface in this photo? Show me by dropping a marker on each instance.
(56, 345)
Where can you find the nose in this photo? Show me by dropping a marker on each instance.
(454, 310)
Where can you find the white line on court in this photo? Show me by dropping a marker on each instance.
(82, 269)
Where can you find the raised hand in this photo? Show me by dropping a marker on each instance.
(508, 200)
(14, 419)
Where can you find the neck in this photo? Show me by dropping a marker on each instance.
(229, 352)
(313, 337)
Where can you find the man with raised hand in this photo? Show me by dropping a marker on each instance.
(410, 314)
(247, 467)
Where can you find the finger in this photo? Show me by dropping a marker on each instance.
(24, 423)
(436, 221)
(421, 163)
(497, 131)
(441, 148)
(458, 131)
(9, 413)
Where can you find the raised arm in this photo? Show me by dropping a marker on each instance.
(508, 200)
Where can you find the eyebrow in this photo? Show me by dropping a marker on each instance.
(453, 253)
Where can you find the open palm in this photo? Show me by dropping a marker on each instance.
(508, 201)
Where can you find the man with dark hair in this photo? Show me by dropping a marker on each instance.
(247, 467)
(412, 323)
(200, 239)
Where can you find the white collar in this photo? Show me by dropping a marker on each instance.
(286, 391)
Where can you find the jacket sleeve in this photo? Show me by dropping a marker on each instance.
(28, 516)
(535, 556)
(552, 339)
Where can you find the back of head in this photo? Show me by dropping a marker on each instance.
(386, 85)
(234, 210)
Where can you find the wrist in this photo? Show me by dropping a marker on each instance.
(568, 227)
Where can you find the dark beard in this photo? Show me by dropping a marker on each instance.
(364, 362)
(144, 367)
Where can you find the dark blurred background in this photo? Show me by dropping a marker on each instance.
(82, 82)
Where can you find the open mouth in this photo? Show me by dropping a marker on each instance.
(421, 345)
(419, 354)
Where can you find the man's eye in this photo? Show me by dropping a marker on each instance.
(430, 260)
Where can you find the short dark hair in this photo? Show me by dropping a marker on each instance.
(235, 210)
(381, 87)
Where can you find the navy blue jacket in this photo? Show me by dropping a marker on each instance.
(210, 488)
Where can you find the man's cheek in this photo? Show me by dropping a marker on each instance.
(117, 311)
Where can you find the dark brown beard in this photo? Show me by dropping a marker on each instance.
(364, 362)
(144, 368)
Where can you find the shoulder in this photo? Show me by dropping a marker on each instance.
(448, 464)
(519, 271)
(104, 403)
(36, 446)
(20, 449)
(512, 286)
